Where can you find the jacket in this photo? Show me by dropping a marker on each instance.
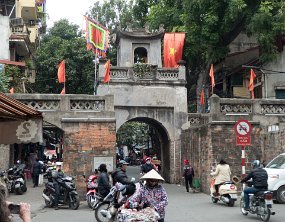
(259, 178)
(37, 167)
(146, 168)
(222, 173)
(103, 184)
(188, 171)
(122, 177)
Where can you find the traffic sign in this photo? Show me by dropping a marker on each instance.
(243, 129)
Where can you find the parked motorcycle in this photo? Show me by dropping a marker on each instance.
(15, 179)
(260, 203)
(227, 193)
(107, 209)
(67, 195)
(92, 189)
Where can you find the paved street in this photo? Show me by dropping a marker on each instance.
(194, 207)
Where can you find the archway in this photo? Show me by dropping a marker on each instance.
(140, 55)
(163, 151)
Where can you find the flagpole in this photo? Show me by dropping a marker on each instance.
(95, 74)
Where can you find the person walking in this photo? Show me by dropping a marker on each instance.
(103, 181)
(37, 167)
(188, 174)
(221, 174)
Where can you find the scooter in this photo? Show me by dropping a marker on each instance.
(227, 193)
(91, 187)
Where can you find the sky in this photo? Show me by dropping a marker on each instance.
(71, 9)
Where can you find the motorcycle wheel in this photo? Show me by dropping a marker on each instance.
(49, 203)
(231, 203)
(99, 217)
(243, 211)
(266, 213)
(214, 200)
(19, 190)
(24, 188)
(75, 202)
(91, 199)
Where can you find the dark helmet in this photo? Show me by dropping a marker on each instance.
(255, 164)
(123, 162)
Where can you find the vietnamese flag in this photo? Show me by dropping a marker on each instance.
(173, 48)
(11, 90)
(202, 97)
(61, 72)
(107, 76)
(211, 74)
(251, 83)
(63, 91)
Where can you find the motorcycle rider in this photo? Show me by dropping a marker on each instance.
(121, 177)
(55, 175)
(221, 174)
(148, 166)
(103, 181)
(259, 178)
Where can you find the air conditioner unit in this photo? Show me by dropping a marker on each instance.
(17, 22)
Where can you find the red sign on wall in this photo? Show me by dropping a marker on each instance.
(243, 129)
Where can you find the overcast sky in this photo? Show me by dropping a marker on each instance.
(70, 9)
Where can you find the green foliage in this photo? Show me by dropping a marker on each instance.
(4, 82)
(64, 42)
(9, 73)
(133, 133)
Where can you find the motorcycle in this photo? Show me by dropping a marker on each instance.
(260, 203)
(15, 179)
(227, 192)
(107, 209)
(92, 189)
(67, 192)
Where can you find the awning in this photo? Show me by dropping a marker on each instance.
(18, 122)
(8, 62)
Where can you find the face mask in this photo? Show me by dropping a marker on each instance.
(148, 162)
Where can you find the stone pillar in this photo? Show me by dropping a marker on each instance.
(4, 156)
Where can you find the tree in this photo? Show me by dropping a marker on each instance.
(64, 42)
(211, 25)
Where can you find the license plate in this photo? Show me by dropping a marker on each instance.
(268, 202)
(233, 196)
(17, 185)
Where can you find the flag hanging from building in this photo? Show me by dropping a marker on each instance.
(251, 83)
(202, 97)
(11, 90)
(63, 90)
(211, 74)
(61, 72)
(97, 37)
(173, 49)
(107, 76)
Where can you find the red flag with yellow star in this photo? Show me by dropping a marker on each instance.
(173, 48)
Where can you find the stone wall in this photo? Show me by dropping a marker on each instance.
(83, 142)
(4, 156)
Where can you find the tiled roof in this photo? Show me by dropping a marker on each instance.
(14, 109)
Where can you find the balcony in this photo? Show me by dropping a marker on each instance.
(19, 37)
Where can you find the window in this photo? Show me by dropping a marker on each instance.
(280, 93)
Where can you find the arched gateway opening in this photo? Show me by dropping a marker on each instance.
(157, 142)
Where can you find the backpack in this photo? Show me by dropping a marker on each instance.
(189, 171)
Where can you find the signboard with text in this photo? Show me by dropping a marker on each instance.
(243, 132)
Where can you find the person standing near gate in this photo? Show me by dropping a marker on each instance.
(37, 167)
(188, 174)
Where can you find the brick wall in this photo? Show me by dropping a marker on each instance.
(204, 146)
(83, 142)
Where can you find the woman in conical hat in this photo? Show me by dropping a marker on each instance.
(152, 194)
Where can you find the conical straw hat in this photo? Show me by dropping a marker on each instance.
(152, 175)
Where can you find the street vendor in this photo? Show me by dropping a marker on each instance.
(152, 194)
